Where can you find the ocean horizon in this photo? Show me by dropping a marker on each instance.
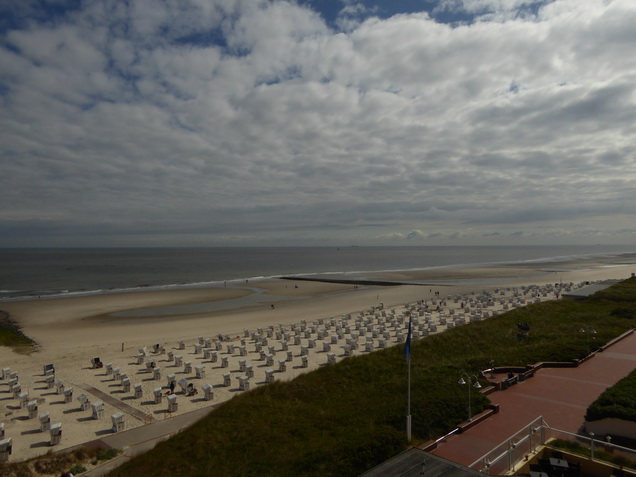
(28, 273)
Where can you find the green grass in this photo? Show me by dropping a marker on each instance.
(11, 335)
(618, 402)
(343, 419)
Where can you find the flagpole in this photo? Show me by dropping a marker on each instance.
(407, 350)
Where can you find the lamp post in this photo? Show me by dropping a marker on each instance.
(471, 382)
(588, 330)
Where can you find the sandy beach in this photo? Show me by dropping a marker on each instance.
(114, 327)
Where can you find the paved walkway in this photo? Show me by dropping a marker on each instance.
(141, 439)
(122, 406)
(560, 395)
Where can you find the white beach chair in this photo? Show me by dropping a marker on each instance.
(290, 356)
(249, 371)
(45, 422)
(6, 448)
(242, 364)
(269, 376)
(178, 360)
(118, 422)
(68, 395)
(305, 360)
(138, 389)
(331, 358)
(55, 432)
(24, 399)
(156, 375)
(187, 367)
(200, 371)
(125, 385)
(98, 410)
(173, 406)
(158, 394)
(32, 409)
(282, 365)
(84, 401)
(170, 356)
(224, 362)
(208, 392)
(244, 384)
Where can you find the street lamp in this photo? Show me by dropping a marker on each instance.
(588, 330)
(472, 382)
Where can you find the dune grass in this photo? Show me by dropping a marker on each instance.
(343, 419)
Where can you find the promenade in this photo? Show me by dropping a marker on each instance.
(560, 395)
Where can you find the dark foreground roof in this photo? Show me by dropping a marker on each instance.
(589, 290)
(415, 462)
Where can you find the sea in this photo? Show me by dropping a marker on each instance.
(29, 273)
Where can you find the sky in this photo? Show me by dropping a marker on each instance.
(310, 122)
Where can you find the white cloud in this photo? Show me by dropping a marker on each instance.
(137, 118)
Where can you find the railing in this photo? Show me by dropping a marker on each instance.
(504, 457)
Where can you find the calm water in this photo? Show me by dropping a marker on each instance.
(39, 272)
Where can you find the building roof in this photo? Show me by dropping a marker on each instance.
(589, 290)
(415, 462)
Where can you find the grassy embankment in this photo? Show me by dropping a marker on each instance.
(343, 419)
(11, 335)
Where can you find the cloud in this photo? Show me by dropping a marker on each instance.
(249, 121)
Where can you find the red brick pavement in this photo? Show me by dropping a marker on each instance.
(560, 395)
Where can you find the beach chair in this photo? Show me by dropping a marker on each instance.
(269, 376)
(230, 348)
(331, 358)
(178, 360)
(24, 399)
(143, 351)
(226, 380)
(304, 351)
(244, 384)
(249, 371)
(49, 369)
(290, 356)
(138, 389)
(347, 350)
(84, 401)
(263, 355)
(368, 346)
(156, 374)
(272, 350)
(158, 395)
(242, 350)
(214, 356)
(55, 432)
(6, 447)
(208, 392)
(59, 387)
(311, 343)
(197, 348)
(224, 362)
(181, 345)
(32, 409)
(50, 382)
(305, 360)
(116, 373)
(206, 353)
(68, 395)
(109, 368)
(282, 365)
(98, 410)
(187, 367)
(140, 359)
(45, 422)
(96, 363)
(199, 371)
(326, 346)
(207, 343)
(270, 359)
(5, 373)
(170, 356)
(173, 406)
(242, 364)
(118, 422)
(125, 385)
(150, 364)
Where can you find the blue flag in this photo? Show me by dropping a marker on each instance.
(407, 346)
